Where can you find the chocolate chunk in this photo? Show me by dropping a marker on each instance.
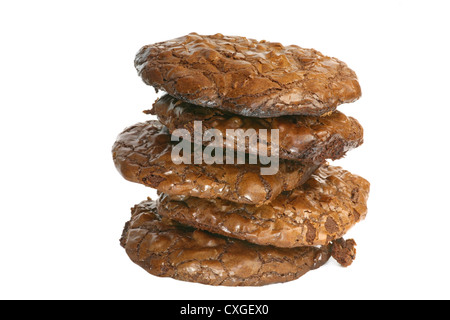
(167, 249)
(319, 211)
(142, 154)
(247, 77)
(344, 251)
(301, 138)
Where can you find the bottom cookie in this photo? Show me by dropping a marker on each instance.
(166, 248)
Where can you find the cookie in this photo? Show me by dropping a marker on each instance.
(247, 77)
(321, 210)
(167, 249)
(301, 138)
(142, 154)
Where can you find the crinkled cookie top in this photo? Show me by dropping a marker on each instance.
(247, 77)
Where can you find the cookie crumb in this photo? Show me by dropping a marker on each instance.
(344, 251)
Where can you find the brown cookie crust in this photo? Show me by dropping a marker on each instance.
(321, 210)
(301, 138)
(167, 249)
(247, 77)
(142, 154)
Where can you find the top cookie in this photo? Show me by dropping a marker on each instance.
(247, 77)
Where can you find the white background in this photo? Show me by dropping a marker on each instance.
(68, 87)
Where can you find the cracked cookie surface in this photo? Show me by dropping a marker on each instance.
(247, 77)
(167, 249)
(301, 138)
(323, 209)
(142, 154)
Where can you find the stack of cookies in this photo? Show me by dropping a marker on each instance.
(264, 211)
